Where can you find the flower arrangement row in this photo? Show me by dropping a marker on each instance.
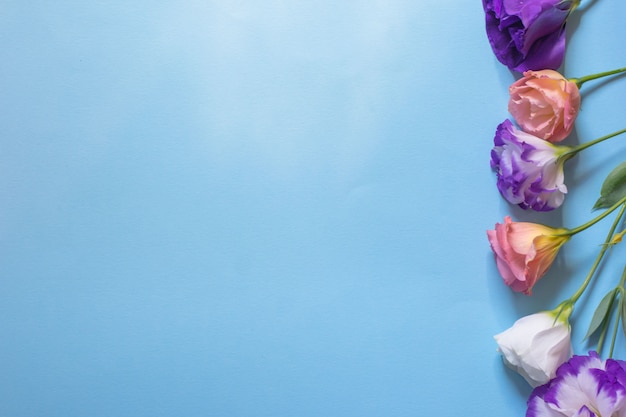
(529, 37)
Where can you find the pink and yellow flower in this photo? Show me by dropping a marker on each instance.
(525, 251)
(545, 104)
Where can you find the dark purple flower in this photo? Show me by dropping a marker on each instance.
(583, 386)
(528, 34)
(529, 171)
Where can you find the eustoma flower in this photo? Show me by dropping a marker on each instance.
(536, 345)
(583, 386)
(524, 251)
(529, 169)
(545, 104)
(530, 34)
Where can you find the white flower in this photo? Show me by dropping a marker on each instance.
(537, 345)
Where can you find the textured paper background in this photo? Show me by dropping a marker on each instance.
(277, 208)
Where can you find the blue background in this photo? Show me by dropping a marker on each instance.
(244, 208)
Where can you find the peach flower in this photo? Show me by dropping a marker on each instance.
(524, 251)
(545, 104)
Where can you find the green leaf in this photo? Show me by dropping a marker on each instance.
(602, 313)
(613, 189)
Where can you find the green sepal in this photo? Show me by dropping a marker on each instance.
(602, 313)
(613, 188)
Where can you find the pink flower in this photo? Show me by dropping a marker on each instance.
(545, 104)
(524, 251)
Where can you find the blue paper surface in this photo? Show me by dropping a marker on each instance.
(240, 208)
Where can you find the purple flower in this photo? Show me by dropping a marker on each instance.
(529, 171)
(528, 35)
(583, 386)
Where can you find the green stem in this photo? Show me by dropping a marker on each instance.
(595, 265)
(580, 81)
(600, 344)
(591, 222)
(616, 325)
(570, 152)
(622, 281)
(617, 319)
(575, 4)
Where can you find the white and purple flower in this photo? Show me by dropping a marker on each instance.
(529, 170)
(584, 386)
